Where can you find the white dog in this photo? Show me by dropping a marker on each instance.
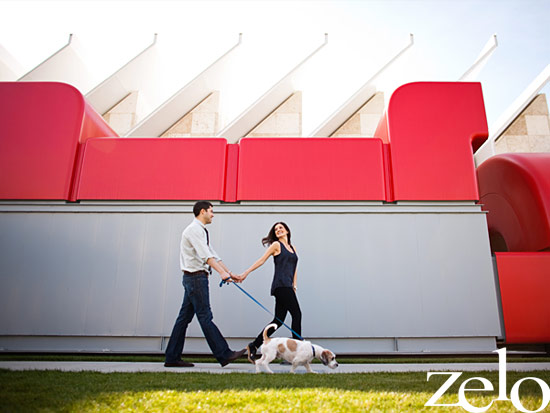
(298, 353)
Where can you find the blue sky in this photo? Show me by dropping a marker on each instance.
(449, 34)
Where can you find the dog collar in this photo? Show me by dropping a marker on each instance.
(313, 349)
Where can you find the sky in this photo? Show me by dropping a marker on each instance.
(277, 35)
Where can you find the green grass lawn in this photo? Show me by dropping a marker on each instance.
(45, 391)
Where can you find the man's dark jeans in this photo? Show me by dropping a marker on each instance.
(196, 301)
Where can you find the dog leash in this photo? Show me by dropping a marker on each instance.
(222, 282)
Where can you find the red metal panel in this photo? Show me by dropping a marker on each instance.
(390, 197)
(432, 128)
(310, 169)
(153, 169)
(515, 190)
(41, 124)
(524, 284)
(232, 165)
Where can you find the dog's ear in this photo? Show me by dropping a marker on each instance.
(325, 357)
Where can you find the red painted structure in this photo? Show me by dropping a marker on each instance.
(424, 153)
(152, 168)
(524, 279)
(42, 127)
(311, 169)
(515, 191)
(432, 129)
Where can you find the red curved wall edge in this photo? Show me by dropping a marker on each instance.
(41, 125)
(515, 190)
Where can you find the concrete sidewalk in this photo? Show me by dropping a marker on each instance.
(127, 367)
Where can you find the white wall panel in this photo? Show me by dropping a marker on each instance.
(366, 271)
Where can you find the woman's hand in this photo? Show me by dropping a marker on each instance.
(236, 278)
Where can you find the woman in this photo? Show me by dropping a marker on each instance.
(283, 286)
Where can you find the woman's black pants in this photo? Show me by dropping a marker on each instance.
(285, 301)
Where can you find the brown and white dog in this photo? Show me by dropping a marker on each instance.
(298, 353)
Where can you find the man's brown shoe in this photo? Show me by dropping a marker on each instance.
(234, 356)
(180, 363)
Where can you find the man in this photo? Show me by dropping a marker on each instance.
(196, 259)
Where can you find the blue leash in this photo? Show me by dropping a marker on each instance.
(222, 282)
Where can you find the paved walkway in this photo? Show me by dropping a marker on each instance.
(127, 367)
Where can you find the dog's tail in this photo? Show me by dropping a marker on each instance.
(266, 338)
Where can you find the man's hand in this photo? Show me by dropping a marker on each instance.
(226, 277)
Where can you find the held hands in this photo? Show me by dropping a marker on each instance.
(241, 277)
(238, 278)
(228, 276)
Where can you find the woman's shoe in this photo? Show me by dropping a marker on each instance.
(251, 348)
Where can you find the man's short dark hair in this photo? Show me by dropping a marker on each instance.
(200, 206)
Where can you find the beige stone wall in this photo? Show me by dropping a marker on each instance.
(530, 132)
(202, 120)
(285, 121)
(122, 116)
(363, 122)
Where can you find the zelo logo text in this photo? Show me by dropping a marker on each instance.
(488, 386)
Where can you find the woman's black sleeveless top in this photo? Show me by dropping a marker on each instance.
(285, 267)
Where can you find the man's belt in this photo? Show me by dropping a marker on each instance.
(201, 272)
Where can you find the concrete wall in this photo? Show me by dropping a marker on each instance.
(530, 131)
(122, 116)
(372, 277)
(363, 123)
(285, 121)
(203, 120)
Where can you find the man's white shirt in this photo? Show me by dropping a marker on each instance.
(194, 249)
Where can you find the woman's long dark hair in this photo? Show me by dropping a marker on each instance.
(271, 237)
